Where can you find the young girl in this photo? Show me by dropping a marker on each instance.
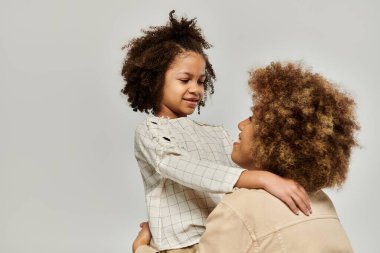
(185, 165)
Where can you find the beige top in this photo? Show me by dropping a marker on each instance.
(255, 221)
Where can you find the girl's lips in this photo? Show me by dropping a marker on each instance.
(191, 102)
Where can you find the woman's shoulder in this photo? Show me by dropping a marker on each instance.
(243, 200)
(239, 196)
(262, 204)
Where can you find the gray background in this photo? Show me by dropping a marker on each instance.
(68, 178)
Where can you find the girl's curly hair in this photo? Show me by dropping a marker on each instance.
(303, 126)
(149, 56)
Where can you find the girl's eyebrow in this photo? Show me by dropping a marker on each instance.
(189, 74)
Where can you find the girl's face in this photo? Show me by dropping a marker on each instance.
(241, 152)
(183, 87)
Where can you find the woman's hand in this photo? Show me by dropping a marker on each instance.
(287, 190)
(143, 238)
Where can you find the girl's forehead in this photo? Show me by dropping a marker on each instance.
(186, 55)
(188, 58)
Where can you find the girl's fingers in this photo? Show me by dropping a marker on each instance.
(302, 194)
(291, 204)
(305, 197)
(301, 204)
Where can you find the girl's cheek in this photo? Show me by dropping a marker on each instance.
(202, 92)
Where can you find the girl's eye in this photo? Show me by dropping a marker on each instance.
(201, 82)
(184, 80)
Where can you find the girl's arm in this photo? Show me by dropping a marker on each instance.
(159, 150)
(287, 190)
(156, 149)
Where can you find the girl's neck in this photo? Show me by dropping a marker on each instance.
(169, 115)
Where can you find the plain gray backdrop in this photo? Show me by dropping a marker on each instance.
(68, 178)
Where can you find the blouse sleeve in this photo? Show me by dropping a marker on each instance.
(157, 147)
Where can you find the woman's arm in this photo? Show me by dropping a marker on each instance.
(225, 233)
(141, 243)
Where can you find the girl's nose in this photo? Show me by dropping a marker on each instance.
(195, 87)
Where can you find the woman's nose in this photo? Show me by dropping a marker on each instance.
(240, 125)
(243, 123)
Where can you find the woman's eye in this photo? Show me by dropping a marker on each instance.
(184, 80)
(201, 82)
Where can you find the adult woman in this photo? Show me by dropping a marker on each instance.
(302, 128)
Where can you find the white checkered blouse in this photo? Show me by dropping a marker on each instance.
(186, 168)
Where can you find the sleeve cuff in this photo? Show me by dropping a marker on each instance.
(233, 178)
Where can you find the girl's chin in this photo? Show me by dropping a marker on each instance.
(187, 111)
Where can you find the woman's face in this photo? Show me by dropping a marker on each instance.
(241, 153)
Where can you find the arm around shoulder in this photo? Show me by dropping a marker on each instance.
(160, 150)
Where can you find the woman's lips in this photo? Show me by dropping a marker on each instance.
(237, 142)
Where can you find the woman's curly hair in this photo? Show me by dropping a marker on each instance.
(149, 56)
(303, 126)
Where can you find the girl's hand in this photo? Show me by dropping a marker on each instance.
(287, 190)
(143, 238)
